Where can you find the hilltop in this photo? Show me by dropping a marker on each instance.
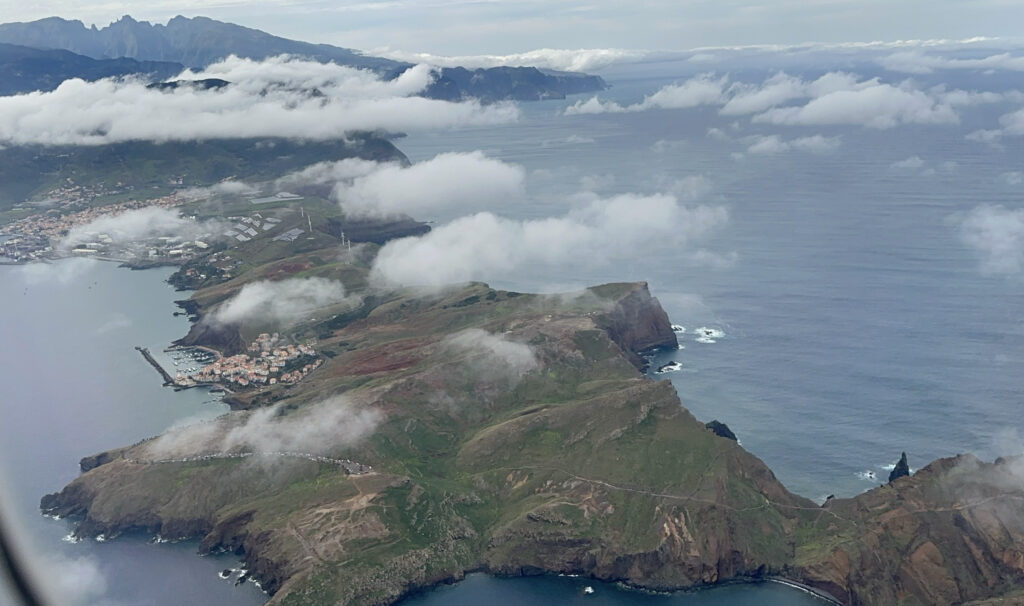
(200, 41)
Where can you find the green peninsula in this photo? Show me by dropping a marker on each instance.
(476, 429)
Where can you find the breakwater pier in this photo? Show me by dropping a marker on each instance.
(168, 379)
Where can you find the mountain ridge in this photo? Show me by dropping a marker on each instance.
(197, 42)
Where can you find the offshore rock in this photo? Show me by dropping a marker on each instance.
(902, 469)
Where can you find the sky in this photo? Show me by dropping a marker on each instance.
(453, 27)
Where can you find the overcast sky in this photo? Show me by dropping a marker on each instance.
(505, 26)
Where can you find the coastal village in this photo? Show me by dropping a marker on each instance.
(38, 236)
(41, 235)
(268, 361)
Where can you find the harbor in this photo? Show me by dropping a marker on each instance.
(168, 379)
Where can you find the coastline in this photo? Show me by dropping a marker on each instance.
(275, 574)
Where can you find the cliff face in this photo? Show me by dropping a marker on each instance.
(951, 533)
(637, 323)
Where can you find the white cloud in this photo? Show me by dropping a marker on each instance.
(483, 245)
(835, 98)
(1013, 123)
(701, 90)
(876, 106)
(321, 428)
(139, 224)
(116, 322)
(666, 145)
(282, 301)
(595, 183)
(689, 188)
(990, 137)
(1013, 177)
(773, 144)
(752, 98)
(718, 134)
(328, 172)
(570, 140)
(447, 181)
(75, 580)
(573, 60)
(493, 354)
(61, 272)
(917, 62)
(911, 163)
(272, 98)
(997, 235)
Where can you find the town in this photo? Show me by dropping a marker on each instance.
(37, 236)
(268, 361)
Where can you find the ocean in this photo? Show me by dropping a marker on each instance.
(848, 320)
(851, 321)
(73, 385)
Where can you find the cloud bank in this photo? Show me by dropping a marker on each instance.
(702, 90)
(773, 144)
(917, 62)
(447, 181)
(277, 97)
(283, 301)
(139, 224)
(492, 353)
(996, 234)
(835, 98)
(572, 60)
(479, 246)
(62, 272)
(319, 428)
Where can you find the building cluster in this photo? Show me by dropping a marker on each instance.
(34, 236)
(268, 361)
(248, 228)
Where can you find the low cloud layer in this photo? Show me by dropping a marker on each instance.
(773, 144)
(835, 98)
(996, 234)
(702, 90)
(140, 224)
(573, 60)
(283, 301)
(484, 245)
(64, 271)
(918, 62)
(75, 581)
(320, 429)
(277, 97)
(463, 181)
(492, 353)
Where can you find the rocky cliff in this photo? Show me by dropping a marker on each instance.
(951, 533)
(638, 324)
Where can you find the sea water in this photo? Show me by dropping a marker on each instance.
(73, 385)
(848, 321)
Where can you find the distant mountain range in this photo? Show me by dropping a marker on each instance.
(128, 46)
(24, 69)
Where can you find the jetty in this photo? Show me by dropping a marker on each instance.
(168, 379)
